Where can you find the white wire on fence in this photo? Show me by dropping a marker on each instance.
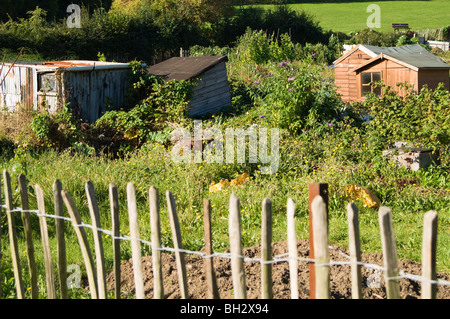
(276, 259)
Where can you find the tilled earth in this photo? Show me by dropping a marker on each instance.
(340, 284)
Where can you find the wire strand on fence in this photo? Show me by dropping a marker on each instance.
(276, 259)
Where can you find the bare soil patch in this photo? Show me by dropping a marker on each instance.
(373, 282)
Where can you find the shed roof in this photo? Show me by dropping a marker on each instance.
(74, 65)
(184, 68)
(414, 56)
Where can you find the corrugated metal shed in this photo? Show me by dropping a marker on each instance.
(88, 87)
(212, 92)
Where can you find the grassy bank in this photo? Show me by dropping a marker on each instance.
(352, 16)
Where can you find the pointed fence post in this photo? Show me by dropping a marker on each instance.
(292, 248)
(315, 189)
(114, 206)
(98, 242)
(23, 187)
(266, 250)
(135, 242)
(178, 245)
(429, 243)
(155, 225)
(61, 242)
(49, 273)
(17, 269)
(321, 253)
(355, 250)
(83, 242)
(389, 252)
(211, 283)
(237, 259)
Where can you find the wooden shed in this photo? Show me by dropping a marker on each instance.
(364, 64)
(88, 87)
(212, 93)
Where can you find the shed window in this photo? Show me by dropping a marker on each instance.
(47, 82)
(366, 79)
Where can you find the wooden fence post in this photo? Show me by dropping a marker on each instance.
(177, 244)
(23, 187)
(13, 236)
(237, 261)
(292, 247)
(98, 242)
(389, 252)
(135, 243)
(355, 249)
(155, 225)
(266, 250)
(61, 243)
(114, 206)
(315, 189)
(83, 241)
(49, 273)
(321, 253)
(429, 243)
(211, 283)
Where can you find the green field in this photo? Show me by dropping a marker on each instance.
(352, 16)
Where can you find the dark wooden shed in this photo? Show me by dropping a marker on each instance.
(212, 92)
(364, 64)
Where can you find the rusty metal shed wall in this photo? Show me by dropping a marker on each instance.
(90, 88)
(17, 87)
(92, 93)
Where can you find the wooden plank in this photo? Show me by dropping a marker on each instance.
(429, 243)
(17, 270)
(115, 210)
(355, 250)
(60, 240)
(135, 242)
(266, 250)
(389, 252)
(26, 220)
(217, 93)
(211, 90)
(98, 242)
(237, 261)
(211, 283)
(292, 247)
(49, 272)
(82, 240)
(177, 245)
(155, 225)
(321, 253)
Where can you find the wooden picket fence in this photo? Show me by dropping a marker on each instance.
(96, 274)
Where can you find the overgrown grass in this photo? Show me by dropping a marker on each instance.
(352, 16)
(304, 158)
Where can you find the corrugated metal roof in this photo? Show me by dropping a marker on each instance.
(414, 55)
(184, 68)
(74, 65)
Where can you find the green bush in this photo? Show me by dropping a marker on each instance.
(157, 104)
(421, 118)
(295, 97)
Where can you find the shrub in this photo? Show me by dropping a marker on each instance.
(422, 118)
(157, 104)
(295, 97)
